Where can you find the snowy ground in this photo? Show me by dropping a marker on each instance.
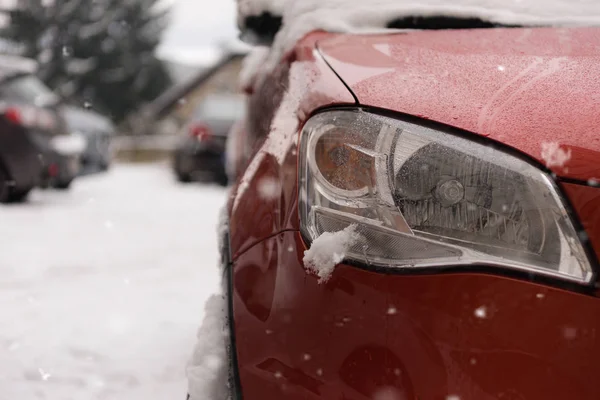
(102, 288)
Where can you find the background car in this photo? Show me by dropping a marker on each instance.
(421, 213)
(201, 154)
(98, 132)
(31, 104)
(20, 164)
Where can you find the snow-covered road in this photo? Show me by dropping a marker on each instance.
(102, 288)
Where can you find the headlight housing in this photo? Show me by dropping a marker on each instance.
(425, 198)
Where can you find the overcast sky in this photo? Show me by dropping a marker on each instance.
(196, 26)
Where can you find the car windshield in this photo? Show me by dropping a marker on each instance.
(221, 108)
(28, 89)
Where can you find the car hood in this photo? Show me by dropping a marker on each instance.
(529, 88)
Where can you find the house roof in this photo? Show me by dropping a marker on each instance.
(162, 105)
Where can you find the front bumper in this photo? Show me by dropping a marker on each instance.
(98, 151)
(59, 169)
(471, 335)
(200, 164)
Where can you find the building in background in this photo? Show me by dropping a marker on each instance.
(153, 131)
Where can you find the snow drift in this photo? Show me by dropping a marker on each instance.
(208, 369)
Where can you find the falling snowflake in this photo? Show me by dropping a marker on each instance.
(388, 393)
(481, 312)
(44, 375)
(569, 332)
(269, 188)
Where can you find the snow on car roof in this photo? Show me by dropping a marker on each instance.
(303, 16)
(376, 13)
(11, 65)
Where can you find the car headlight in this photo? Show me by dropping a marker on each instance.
(425, 198)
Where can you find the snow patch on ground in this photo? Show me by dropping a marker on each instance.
(554, 156)
(208, 369)
(222, 225)
(328, 250)
(102, 286)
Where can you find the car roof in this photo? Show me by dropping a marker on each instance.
(81, 118)
(15, 65)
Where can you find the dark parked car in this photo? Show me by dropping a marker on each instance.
(28, 102)
(20, 164)
(201, 154)
(97, 131)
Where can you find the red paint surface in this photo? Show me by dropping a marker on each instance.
(366, 334)
(586, 204)
(297, 339)
(520, 87)
(258, 218)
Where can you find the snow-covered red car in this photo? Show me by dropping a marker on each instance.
(420, 216)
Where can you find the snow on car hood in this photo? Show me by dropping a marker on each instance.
(302, 17)
(534, 89)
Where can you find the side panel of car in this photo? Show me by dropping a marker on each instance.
(278, 106)
(586, 204)
(366, 335)
(369, 336)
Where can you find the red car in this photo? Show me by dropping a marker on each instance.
(461, 167)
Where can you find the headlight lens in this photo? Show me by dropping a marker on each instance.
(425, 198)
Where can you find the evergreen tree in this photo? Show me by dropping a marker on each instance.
(100, 52)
